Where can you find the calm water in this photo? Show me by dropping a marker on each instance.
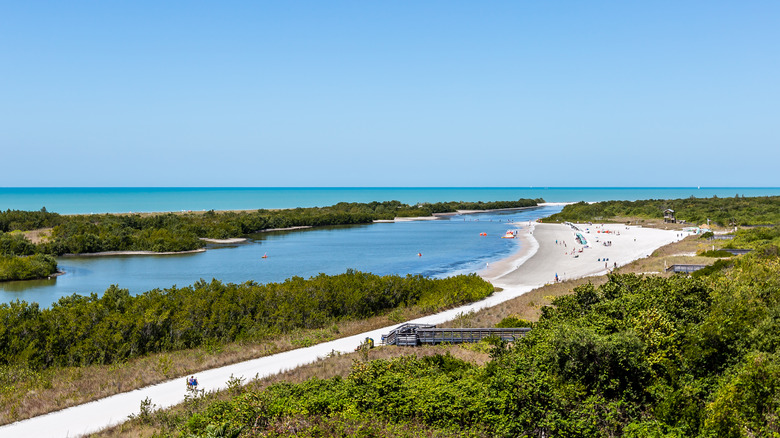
(115, 200)
(448, 246)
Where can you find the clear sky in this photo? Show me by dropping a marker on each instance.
(389, 93)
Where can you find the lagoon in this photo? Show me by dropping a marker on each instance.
(449, 246)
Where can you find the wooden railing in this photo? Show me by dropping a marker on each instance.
(415, 334)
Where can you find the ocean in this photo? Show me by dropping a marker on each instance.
(84, 200)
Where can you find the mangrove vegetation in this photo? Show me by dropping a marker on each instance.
(721, 211)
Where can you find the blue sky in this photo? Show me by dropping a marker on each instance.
(361, 93)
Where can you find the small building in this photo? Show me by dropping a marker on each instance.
(669, 217)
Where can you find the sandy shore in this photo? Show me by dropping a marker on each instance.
(126, 253)
(224, 241)
(300, 227)
(536, 264)
(542, 258)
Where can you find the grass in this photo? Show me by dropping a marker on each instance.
(38, 236)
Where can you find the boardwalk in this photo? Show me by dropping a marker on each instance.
(685, 268)
(411, 335)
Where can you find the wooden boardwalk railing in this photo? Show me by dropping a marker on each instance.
(410, 335)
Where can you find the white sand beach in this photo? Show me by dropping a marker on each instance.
(224, 241)
(570, 259)
(134, 253)
(536, 264)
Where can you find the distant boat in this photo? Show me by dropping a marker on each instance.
(508, 235)
(265, 256)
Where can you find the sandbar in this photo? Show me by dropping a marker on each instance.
(224, 241)
(132, 253)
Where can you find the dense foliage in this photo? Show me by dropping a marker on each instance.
(752, 238)
(11, 220)
(26, 267)
(635, 357)
(19, 261)
(15, 244)
(82, 330)
(722, 211)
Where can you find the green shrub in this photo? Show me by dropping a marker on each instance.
(716, 253)
(514, 322)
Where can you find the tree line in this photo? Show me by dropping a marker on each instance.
(722, 211)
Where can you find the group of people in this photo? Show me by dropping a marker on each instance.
(192, 382)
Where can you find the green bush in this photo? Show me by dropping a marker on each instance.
(514, 322)
(26, 267)
(716, 253)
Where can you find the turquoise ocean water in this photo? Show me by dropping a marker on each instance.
(449, 246)
(121, 200)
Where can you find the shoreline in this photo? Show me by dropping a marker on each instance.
(299, 227)
(133, 253)
(528, 248)
(223, 241)
(553, 250)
